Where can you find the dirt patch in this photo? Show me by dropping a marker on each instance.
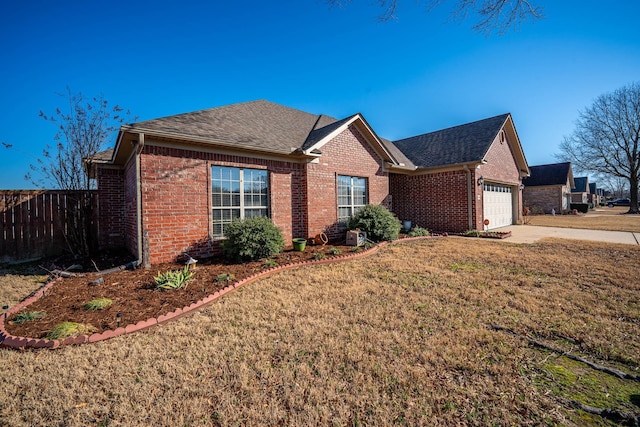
(135, 296)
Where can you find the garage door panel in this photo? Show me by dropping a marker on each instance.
(498, 205)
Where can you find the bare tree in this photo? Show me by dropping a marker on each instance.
(607, 138)
(84, 126)
(500, 15)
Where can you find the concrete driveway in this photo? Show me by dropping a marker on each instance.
(532, 233)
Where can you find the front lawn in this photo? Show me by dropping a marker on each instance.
(401, 337)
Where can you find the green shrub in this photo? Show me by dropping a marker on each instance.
(29, 316)
(173, 279)
(98, 304)
(251, 239)
(418, 231)
(335, 251)
(473, 233)
(377, 221)
(319, 255)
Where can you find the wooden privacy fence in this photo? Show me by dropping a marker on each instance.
(34, 223)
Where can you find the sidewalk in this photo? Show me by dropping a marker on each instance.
(532, 233)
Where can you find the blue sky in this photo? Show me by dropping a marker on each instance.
(413, 75)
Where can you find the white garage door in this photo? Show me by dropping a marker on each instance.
(498, 205)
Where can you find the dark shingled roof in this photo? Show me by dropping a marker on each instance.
(581, 185)
(592, 188)
(456, 145)
(553, 174)
(261, 125)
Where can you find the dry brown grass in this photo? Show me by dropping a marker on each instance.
(400, 337)
(15, 287)
(612, 219)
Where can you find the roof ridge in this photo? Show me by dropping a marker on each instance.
(191, 113)
(457, 126)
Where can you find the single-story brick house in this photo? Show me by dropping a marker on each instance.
(171, 185)
(580, 192)
(548, 188)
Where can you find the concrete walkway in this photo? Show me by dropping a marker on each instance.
(532, 233)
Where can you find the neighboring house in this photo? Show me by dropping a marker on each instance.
(548, 189)
(595, 197)
(461, 177)
(580, 192)
(172, 185)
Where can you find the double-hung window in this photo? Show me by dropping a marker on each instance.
(237, 193)
(352, 195)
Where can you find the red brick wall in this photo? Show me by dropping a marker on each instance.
(542, 199)
(111, 230)
(501, 166)
(347, 154)
(176, 199)
(437, 201)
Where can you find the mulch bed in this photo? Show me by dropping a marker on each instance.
(135, 296)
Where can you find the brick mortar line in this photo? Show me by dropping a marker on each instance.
(20, 343)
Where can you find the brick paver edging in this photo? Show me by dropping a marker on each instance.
(21, 343)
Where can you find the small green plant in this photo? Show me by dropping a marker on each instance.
(377, 221)
(418, 231)
(270, 263)
(98, 304)
(29, 316)
(319, 255)
(473, 233)
(225, 277)
(368, 245)
(174, 279)
(356, 249)
(69, 329)
(252, 238)
(335, 251)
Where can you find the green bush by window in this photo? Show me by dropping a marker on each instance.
(377, 221)
(252, 238)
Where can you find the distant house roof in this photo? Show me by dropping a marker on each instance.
(581, 185)
(463, 144)
(552, 174)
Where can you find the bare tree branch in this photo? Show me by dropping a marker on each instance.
(607, 138)
(490, 15)
(84, 126)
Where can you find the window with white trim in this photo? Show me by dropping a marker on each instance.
(352, 195)
(237, 193)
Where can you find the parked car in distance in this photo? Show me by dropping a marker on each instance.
(619, 202)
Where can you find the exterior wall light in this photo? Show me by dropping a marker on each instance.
(481, 180)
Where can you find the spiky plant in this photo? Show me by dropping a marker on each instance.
(29, 316)
(98, 304)
(69, 329)
(173, 279)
